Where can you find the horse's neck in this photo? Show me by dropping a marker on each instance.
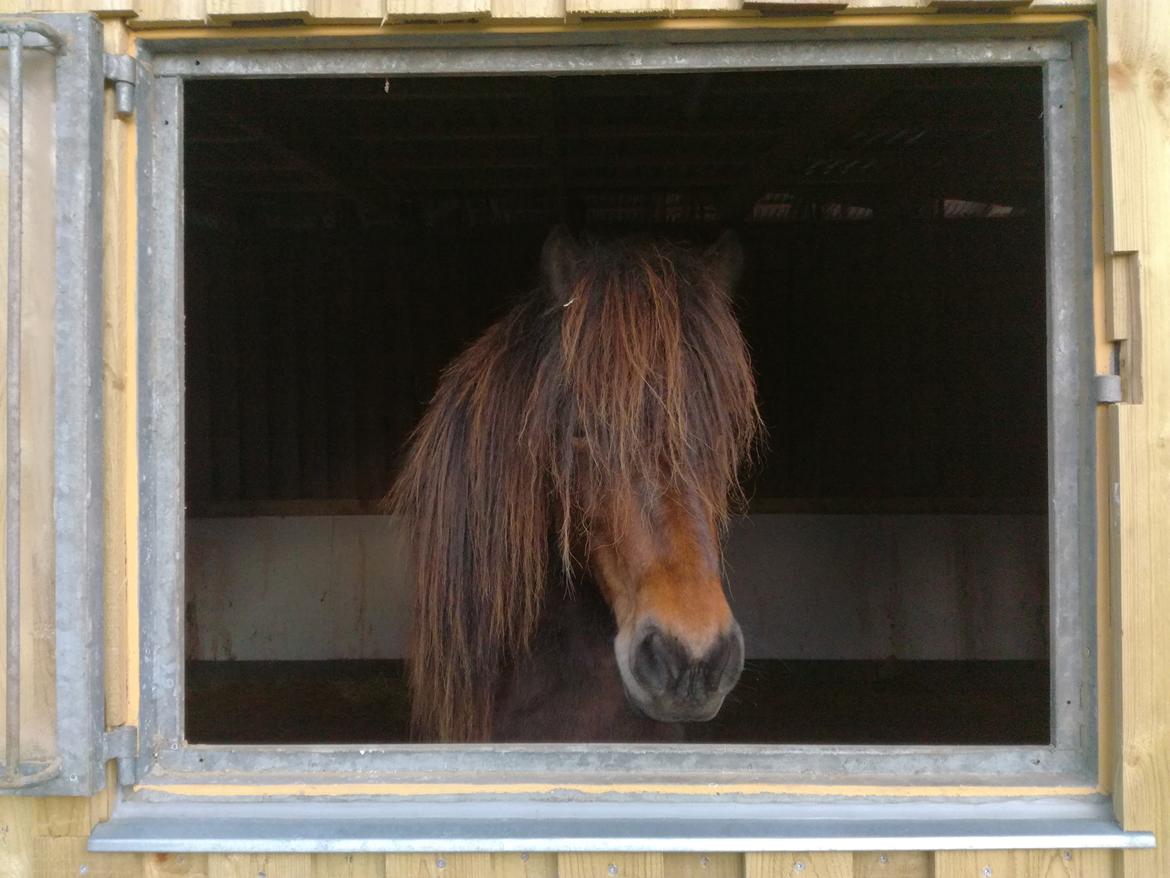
(568, 687)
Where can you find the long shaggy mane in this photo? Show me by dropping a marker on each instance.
(627, 361)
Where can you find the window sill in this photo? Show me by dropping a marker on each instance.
(321, 826)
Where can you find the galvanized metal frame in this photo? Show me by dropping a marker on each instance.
(78, 767)
(1071, 759)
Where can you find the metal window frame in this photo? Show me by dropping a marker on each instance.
(166, 760)
(78, 766)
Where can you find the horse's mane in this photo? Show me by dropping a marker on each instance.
(628, 360)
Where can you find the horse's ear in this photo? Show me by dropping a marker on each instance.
(558, 263)
(725, 260)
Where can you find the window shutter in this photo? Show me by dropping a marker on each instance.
(51, 124)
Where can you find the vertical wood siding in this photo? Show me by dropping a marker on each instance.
(165, 13)
(47, 837)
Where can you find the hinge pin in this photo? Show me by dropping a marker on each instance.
(120, 70)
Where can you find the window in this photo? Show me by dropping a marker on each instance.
(193, 115)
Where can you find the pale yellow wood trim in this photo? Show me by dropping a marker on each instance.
(893, 864)
(799, 865)
(198, 865)
(228, 10)
(170, 13)
(642, 8)
(1023, 864)
(553, 10)
(437, 10)
(1137, 175)
(446, 865)
(703, 865)
(710, 7)
(610, 866)
(349, 11)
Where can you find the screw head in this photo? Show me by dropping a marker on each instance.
(798, 866)
(84, 870)
(613, 869)
(883, 859)
(440, 863)
(704, 862)
(987, 872)
(524, 858)
(1067, 855)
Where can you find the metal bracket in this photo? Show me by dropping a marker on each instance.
(122, 745)
(123, 73)
(1108, 388)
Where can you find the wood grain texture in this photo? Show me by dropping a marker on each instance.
(798, 7)
(1023, 864)
(703, 865)
(641, 8)
(175, 865)
(892, 864)
(437, 10)
(170, 13)
(610, 866)
(296, 10)
(1137, 219)
(528, 9)
(260, 866)
(799, 865)
(509, 865)
(349, 11)
(66, 857)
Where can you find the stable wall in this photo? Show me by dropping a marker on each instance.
(47, 837)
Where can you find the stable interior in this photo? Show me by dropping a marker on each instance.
(345, 238)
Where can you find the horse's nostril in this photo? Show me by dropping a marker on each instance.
(659, 661)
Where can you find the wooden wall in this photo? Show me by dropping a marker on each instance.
(166, 13)
(47, 837)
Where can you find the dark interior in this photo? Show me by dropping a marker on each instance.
(346, 238)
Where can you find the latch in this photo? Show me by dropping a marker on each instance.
(123, 73)
(122, 746)
(1123, 328)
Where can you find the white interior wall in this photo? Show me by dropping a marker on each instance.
(802, 586)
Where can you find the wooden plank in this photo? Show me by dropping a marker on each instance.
(707, 7)
(1137, 219)
(349, 11)
(892, 864)
(170, 13)
(703, 865)
(799, 865)
(511, 865)
(60, 816)
(528, 9)
(1070, 864)
(61, 857)
(260, 866)
(1023, 864)
(16, 837)
(798, 7)
(228, 10)
(642, 8)
(610, 866)
(435, 10)
(349, 866)
(175, 865)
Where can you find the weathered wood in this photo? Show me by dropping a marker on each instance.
(703, 865)
(296, 10)
(1023, 864)
(610, 866)
(437, 10)
(257, 865)
(170, 13)
(798, 865)
(892, 864)
(61, 857)
(1137, 58)
(175, 865)
(509, 865)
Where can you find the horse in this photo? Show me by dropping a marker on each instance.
(565, 494)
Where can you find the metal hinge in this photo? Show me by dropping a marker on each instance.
(123, 73)
(1108, 388)
(122, 746)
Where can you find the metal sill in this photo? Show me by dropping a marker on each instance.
(709, 825)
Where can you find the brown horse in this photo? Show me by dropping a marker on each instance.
(565, 494)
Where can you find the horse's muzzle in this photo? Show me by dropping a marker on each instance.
(668, 682)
